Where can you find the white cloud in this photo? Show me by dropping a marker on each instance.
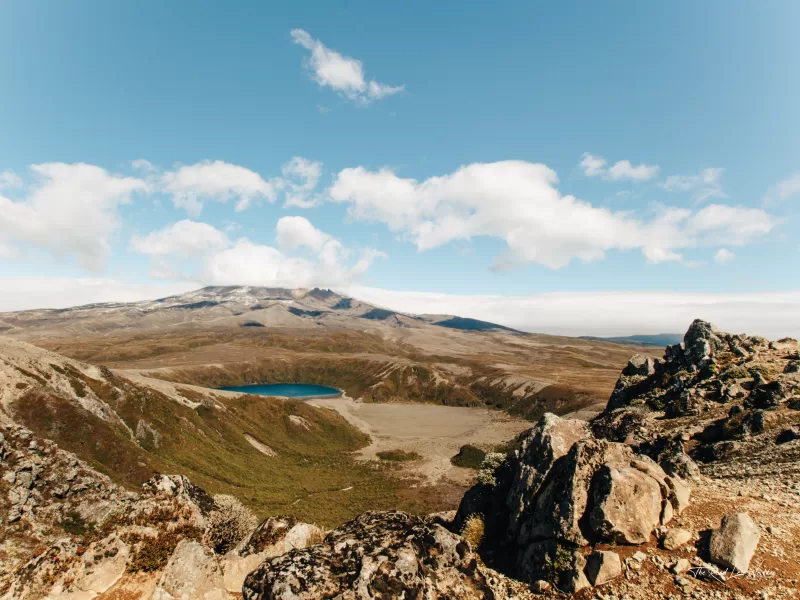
(596, 166)
(723, 255)
(295, 232)
(703, 185)
(784, 189)
(772, 314)
(184, 238)
(517, 201)
(191, 185)
(9, 179)
(623, 169)
(593, 166)
(71, 209)
(343, 74)
(26, 293)
(300, 177)
(200, 252)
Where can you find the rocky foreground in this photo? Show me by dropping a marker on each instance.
(686, 485)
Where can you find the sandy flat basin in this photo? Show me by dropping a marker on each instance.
(435, 432)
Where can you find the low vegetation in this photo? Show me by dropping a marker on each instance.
(469, 457)
(399, 455)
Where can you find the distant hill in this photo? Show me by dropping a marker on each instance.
(657, 339)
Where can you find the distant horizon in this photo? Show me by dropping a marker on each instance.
(508, 311)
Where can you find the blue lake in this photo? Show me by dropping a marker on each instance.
(290, 390)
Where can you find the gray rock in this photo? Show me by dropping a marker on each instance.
(603, 566)
(733, 545)
(627, 504)
(641, 365)
(550, 439)
(378, 554)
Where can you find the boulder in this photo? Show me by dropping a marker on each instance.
(550, 439)
(602, 566)
(732, 545)
(627, 505)
(192, 573)
(377, 555)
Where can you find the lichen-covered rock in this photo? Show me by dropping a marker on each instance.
(273, 537)
(732, 545)
(378, 555)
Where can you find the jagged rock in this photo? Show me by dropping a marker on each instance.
(792, 367)
(602, 566)
(732, 545)
(192, 573)
(641, 365)
(550, 439)
(675, 538)
(619, 425)
(376, 555)
(180, 488)
(701, 342)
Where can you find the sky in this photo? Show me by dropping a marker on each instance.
(603, 168)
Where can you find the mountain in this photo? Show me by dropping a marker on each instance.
(219, 336)
(218, 308)
(661, 340)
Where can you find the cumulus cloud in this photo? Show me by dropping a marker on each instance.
(300, 178)
(343, 74)
(772, 314)
(723, 255)
(69, 210)
(597, 166)
(703, 185)
(304, 256)
(191, 185)
(518, 202)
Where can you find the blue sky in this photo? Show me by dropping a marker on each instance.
(502, 117)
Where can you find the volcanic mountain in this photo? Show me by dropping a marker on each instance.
(220, 336)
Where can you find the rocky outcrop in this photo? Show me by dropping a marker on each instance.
(565, 489)
(377, 555)
(729, 384)
(192, 573)
(732, 545)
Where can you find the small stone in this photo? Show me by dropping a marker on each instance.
(602, 566)
(639, 556)
(681, 566)
(540, 586)
(675, 538)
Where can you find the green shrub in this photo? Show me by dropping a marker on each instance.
(398, 455)
(469, 457)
